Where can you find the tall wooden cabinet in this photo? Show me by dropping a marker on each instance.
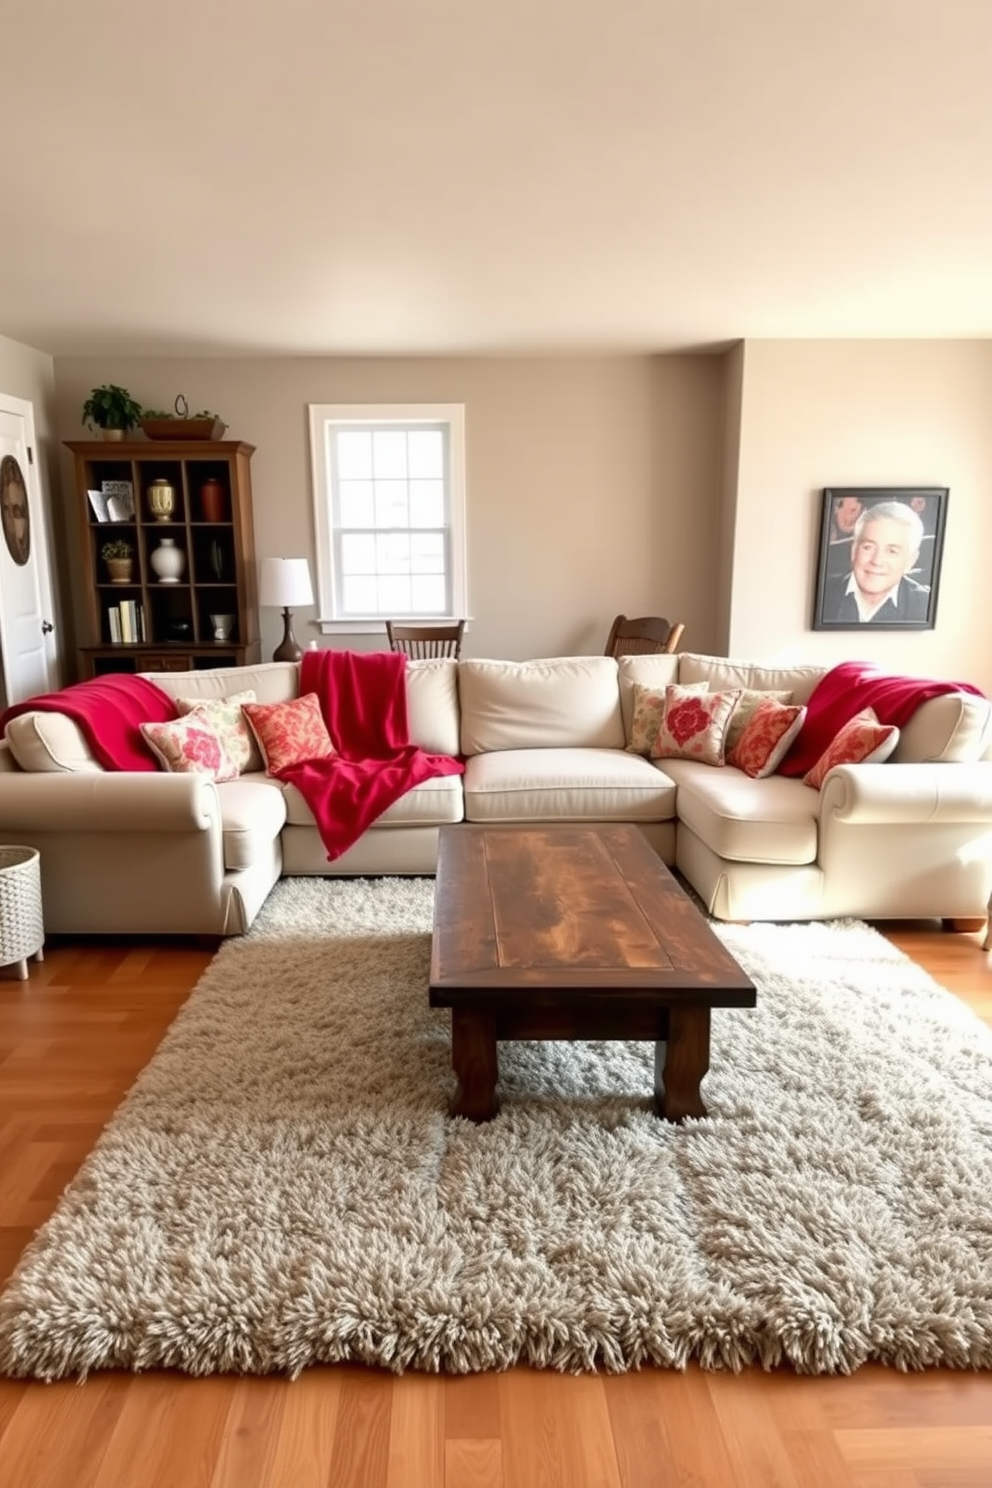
(205, 616)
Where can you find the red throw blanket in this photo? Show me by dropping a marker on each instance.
(844, 691)
(108, 710)
(363, 700)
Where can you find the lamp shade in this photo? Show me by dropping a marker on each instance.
(284, 581)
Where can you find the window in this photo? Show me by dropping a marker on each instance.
(389, 504)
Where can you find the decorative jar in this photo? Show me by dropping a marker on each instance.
(168, 561)
(161, 499)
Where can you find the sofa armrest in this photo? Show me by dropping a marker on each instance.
(901, 795)
(107, 801)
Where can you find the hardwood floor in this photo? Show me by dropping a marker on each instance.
(72, 1039)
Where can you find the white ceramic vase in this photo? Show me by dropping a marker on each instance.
(168, 561)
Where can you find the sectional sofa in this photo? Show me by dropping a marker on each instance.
(543, 741)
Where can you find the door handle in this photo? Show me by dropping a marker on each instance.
(47, 627)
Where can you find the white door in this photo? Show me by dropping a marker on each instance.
(27, 617)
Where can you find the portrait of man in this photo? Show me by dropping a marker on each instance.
(14, 513)
(884, 572)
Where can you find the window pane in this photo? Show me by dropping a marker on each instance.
(428, 595)
(389, 453)
(390, 504)
(357, 503)
(393, 553)
(357, 553)
(354, 454)
(359, 596)
(426, 453)
(426, 503)
(427, 552)
(394, 596)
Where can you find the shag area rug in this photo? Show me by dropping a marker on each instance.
(283, 1185)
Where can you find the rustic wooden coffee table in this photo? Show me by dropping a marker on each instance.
(573, 932)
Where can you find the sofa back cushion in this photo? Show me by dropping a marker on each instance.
(954, 729)
(558, 702)
(270, 681)
(432, 704)
(721, 672)
(50, 744)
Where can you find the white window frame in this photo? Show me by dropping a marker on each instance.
(322, 417)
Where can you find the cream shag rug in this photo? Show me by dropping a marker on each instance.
(284, 1186)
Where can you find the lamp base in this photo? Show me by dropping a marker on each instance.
(287, 650)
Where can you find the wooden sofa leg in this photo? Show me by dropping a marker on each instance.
(965, 926)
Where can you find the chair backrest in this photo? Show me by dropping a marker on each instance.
(643, 635)
(421, 642)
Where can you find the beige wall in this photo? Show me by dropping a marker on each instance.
(593, 483)
(30, 375)
(882, 413)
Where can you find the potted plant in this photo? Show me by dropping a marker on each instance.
(112, 410)
(181, 424)
(119, 558)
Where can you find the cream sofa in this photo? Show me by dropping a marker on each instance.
(543, 741)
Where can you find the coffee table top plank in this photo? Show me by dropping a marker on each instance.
(590, 909)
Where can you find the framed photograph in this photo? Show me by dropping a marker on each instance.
(123, 488)
(880, 555)
(99, 504)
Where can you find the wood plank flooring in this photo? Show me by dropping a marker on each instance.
(73, 1038)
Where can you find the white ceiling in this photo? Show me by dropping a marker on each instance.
(425, 176)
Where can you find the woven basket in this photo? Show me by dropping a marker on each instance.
(22, 932)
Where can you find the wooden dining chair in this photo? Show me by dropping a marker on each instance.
(643, 635)
(421, 642)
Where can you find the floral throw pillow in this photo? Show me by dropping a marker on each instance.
(649, 711)
(694, 725)
(749, 700)
(225, 716)
(861, 741)
(189, 746)
(767, 735)
(289, 733)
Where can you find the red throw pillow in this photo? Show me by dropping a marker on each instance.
(694, 725)
(861, 741)
(289, 733)
(766, 737)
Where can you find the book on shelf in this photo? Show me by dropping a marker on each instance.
(114, 621)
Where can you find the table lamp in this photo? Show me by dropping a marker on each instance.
(284, 582)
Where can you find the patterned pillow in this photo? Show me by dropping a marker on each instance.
(694, 725)
(749, 700)
(649, 710)
(289, 733)
(769, 731)
(225, 716)
(190, 746)
(861, 741)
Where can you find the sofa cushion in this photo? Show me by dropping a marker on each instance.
(519, 785)
(432, 803)
(655, 671)
(225, 715)
(190, 746)
(767, 737)
(49, 744)
(955, 728)
(719, 673)
(862, 741)
(289, 733)
(271, 681)
(649, 715)
(694, 725)
(561, 702)
(253, 813)
(748, 821)
(432, 704)
(751, 698)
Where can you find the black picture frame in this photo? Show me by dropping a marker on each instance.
(912, 604)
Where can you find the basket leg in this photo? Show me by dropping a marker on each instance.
(22, 968)
(39, 954)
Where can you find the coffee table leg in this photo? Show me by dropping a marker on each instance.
(681, 1062)
(474, 1061)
